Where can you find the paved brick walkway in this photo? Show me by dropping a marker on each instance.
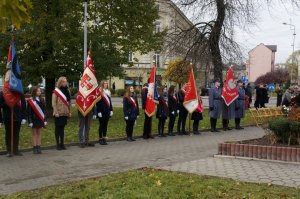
(54, 167)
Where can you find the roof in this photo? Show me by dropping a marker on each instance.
(272, 47)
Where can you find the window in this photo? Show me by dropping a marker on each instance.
(156, 59)
(130, 57)
(157, 27)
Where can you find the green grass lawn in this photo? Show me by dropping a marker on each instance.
(150, 183)
(116, 128)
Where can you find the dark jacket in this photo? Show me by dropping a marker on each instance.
(144, 94)
(180, 96)
(32, 116)
(162, 108)
(19, 110)
(129, 109)
(173, 106)
(103, 108)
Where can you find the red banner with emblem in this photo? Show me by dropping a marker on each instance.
(89, 93)
(229, 91)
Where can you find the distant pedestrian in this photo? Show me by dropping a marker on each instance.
(173, 109)
(114, 86)
(197, 114)
(239, 106)
(162, 110)
(279, 93)
(215, 105)
(287, 97)
(131, 112)
(259, 100)
(61, 103)
(36, 117)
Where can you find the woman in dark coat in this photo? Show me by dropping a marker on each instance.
(197, 114)
(162, 111)
(104, 112)
(173, 109)
(131, 111)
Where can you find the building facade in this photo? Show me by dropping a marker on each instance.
(138, 71)
(261, 60)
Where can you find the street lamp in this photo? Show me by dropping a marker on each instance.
(292, 27)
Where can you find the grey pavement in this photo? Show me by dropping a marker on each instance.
(55, 167)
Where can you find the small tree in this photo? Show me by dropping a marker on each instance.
(178, 71)
(278, 76)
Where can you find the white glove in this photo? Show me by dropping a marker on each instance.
(137, 116)
(23, 121)
(45, 123)
(178, 111)
(99, 114)
(94, 117)
(173, 113)
(30, 125)
(0, 125)
(126, 118)
(111, 113)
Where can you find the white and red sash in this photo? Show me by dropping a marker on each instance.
(37, 109)
(62, 96)
(132, 101)
(164, 102)
(106, 99)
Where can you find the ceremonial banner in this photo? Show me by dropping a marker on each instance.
(89, 93)
(229, 91)
(191, 99)
(152, 96)
(12, 88)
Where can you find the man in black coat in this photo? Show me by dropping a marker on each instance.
(148, 120)
(183, 113)
(19, 117)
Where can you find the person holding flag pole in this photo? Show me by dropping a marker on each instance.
(12, 101)
(149, 101)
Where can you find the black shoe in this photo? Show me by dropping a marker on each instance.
(89, 144)
(160, 135)
(197, 133)
(18, 153)
(101, 142)
(8, 155)
(239, 128)
(81, 145)
(129, 139)
(212, 130)
(104, 142)
(145, 137)
(171, 134)
(180, 133)
(217, 131)
(185, 133)
(58, 147)
(63, 147)
(132, 139)
(34, 150)
(224, 129)
(151, 136)
(229, 129)
(39, 151)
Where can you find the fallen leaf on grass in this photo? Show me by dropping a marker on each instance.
(158, 183)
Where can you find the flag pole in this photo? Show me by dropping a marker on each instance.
(85, 34)
(11, 131)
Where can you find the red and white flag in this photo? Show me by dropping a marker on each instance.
(89, 93)
(229, 91)
(152, 96)
(191, 99)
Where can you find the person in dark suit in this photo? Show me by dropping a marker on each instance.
(131, 111)
(279, 93)
(197, 114)
(215, 105)
(239, 106)
(162, 111)
(104, 112)
(259, 101)
(183, 113)
(148, 120)
(173, 109)
(19, 118)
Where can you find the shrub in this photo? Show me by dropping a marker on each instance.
(295, 132)
(281, 128)
(120, 92)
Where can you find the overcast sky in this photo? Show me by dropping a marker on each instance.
(271, 31)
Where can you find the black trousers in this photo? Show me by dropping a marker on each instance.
(171, 124)
(147, 126)
(196, 126)
(182, 120)
(60, 134)
(225, 123)
(237, 122)
(161, 125)
(213, 123)
(17, 126)
(129, 127)
(103, 123)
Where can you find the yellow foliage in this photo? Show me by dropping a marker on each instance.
(14, 11)
(178, 70)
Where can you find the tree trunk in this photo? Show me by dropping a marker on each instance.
(215, 39)
(50, 85)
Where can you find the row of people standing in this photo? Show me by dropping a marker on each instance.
(218, 107)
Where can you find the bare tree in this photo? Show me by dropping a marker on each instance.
(212, 35)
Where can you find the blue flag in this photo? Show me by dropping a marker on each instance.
(15, 79)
